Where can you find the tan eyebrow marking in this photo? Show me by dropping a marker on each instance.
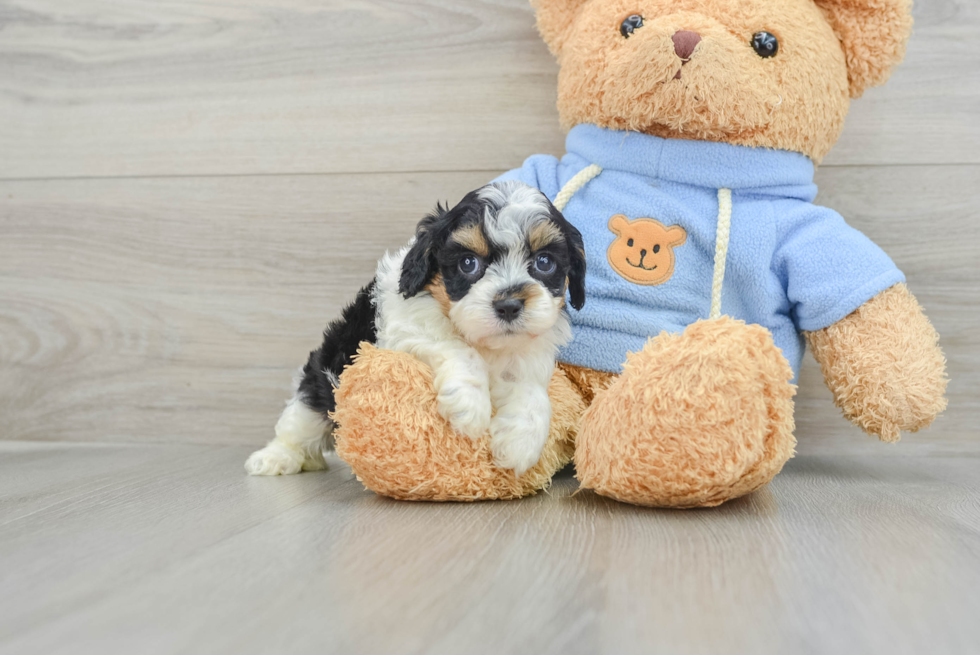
(543, 234)
(472, 237)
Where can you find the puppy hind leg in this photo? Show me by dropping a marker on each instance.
(302, 434)
(303, 431)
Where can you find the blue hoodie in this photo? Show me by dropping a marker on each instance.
(791, 265)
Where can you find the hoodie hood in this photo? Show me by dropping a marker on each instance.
(756, 171)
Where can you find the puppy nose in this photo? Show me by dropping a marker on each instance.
(508, 309)
(685, 42)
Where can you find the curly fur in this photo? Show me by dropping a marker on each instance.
(884, 365)
(873, 34)
(392, 436)
(830, 51)
(588, 381)
(694, 420)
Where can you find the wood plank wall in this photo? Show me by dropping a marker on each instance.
(188, 191)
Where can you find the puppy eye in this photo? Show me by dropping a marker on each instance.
(765, 44)
(630, 243)
(469, 265)
(545, 264)
(631, 24)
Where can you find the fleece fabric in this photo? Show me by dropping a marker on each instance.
(792, 266)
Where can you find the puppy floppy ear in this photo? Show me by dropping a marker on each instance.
(576, 271)
(555, 19)
(873, 34)
(419, 265)
(576, 258)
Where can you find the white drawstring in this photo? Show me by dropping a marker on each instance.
(721, 249)
(580, 179)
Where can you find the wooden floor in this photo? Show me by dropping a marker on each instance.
(189, 190)
(170, 549)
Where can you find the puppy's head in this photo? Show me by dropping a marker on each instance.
(499, 263)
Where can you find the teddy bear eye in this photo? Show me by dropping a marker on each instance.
(630, 243)
(656, 249)
(631, 23)
(765, 44)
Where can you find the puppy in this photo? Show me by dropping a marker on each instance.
(479, 296)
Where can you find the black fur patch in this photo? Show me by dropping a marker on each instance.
(447, 262)
(430, 252)
(340, 341)
(419, 266)
(575, 262)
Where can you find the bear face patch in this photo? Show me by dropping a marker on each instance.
(643, 251)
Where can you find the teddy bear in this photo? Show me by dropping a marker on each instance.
(694, 127)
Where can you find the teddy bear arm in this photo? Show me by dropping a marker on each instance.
(883, 365)
(391, 434)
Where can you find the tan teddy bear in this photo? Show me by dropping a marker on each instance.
(694, 129)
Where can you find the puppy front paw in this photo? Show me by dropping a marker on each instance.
(274, 459)
(516, 440)
(465, 403)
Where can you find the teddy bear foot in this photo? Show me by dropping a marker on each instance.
(694, 420)
(390, 432)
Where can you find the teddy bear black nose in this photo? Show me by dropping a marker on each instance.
(508, 309)
(685, 42)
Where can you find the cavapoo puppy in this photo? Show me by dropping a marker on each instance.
(479, 296)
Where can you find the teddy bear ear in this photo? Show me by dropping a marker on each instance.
(873, 34)
(617, 224)
(677, 235)
(555, 19)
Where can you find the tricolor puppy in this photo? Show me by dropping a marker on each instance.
(479, 296)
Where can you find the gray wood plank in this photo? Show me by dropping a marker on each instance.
(264, 86)
(167, 549)
(95, 88)
(177, 310)
(900, 123)
(180, 309)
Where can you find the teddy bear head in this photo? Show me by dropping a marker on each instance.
(643, 251)
(770, 73)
